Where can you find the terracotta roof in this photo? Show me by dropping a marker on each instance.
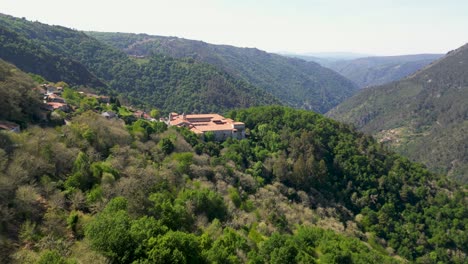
(179, 122)
(200, 123)
(212, 116)
(56, 105)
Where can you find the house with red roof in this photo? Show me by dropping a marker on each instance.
(51, 106)
(222, 128)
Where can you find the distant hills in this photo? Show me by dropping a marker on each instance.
(323, 58)
(293, 81)
(365, 70)
(424, 116)
(371, 71)
(59, 53)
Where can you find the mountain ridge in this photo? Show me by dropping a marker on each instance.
(369, 71)
(19, 50)
(423, 116)
(166, 83)
(295, 82)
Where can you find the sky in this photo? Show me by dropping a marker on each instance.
(374, 27)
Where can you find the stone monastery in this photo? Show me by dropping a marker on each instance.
(222, 127)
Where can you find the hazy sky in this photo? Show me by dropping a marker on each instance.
(385, 27)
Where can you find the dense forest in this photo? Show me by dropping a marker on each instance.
(18, 101)
(31, 57)
(301, 188)
(423, 117)
(76, 187)
(295, 82)
(59, 53)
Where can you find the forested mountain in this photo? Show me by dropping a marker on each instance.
(300, 189)
(18, 101)
(371, 71)
(32, 56)
(295, 82)
(157, 81)
(424, 116)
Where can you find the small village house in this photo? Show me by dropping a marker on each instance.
(51, 106)
(50, 89)
(54, 98)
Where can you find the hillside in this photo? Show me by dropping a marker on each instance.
(59, 53)
(423, 116)
(33, 57)
(18, 102)
(295, 82)
(325, 58)
(301, 188)
(372, 71)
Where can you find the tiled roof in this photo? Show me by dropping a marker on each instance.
(56, 105)
(200, 123)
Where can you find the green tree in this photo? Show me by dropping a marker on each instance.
(175, 247)
(204, 201)
(166, 145)
(227, 247)
(154, 113)
(109, 232)
(51, 257)
(142, 230)
(209, 136)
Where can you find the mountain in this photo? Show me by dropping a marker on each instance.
(59, 53)
(295, 82)
(31, 56)
(371, 71)
(326, 56)
(424, 116)
(320, 60)
(339, 55)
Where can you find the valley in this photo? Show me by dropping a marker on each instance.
(430, 106)
(138, 148)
